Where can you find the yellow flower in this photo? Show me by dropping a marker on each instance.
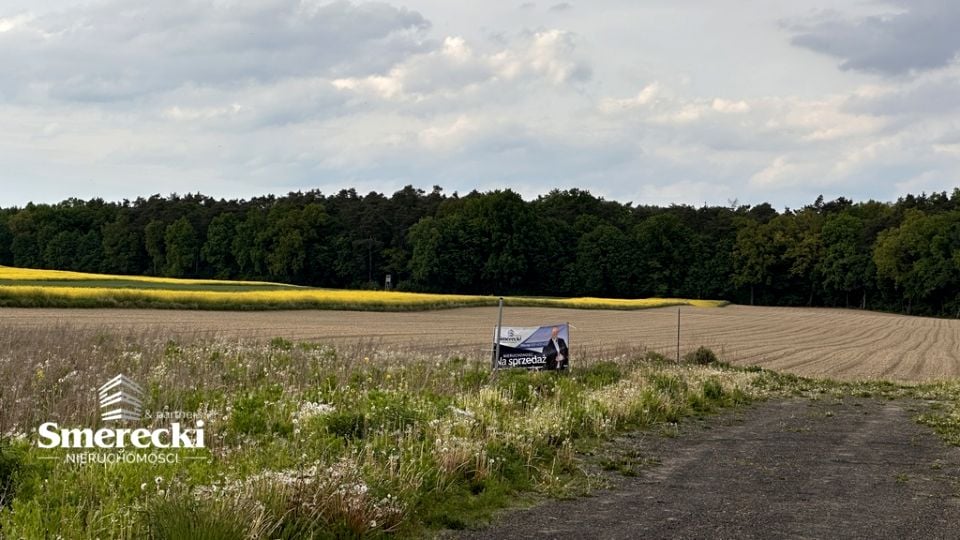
(155, 290)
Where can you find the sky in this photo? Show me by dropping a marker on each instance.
(654, 102)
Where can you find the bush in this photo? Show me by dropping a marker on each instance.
(349, 425)
(712, 390)
(651, 357)
(281, 344)
(600, 374)
(702, 356)
(11, 461)
(180, 517)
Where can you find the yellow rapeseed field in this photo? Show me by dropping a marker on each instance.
(630, 303)
(319, 297)
(20, 287)
(32, 274)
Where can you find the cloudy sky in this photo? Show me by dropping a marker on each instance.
(656, 102)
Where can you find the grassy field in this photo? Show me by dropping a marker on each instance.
(308, 440)
(21, 287)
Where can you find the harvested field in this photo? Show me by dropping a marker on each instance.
(836, 343)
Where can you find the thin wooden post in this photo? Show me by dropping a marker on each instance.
(678, 334)
(496, 341)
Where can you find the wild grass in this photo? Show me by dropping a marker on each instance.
(21, 287)
(307, 440)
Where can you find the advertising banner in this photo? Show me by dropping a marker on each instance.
(533, 347)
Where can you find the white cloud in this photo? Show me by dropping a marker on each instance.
(9, 23)
(456, 68)
(644, 97)
(112, 51)
(694, 193)
(727, 106)
(779, 172)
(238, 99)
(448, 135)
(928, 182)
(909, 36)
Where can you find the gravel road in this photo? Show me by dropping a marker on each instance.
(789, 469)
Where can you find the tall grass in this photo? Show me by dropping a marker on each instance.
(307, 440)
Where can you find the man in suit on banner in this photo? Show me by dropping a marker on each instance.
(556, 351)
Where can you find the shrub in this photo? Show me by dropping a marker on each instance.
(281, 344)
(249, 416)
(176, 517)
(654, 357)
(600, 374)
(11, 462)
(712, 390)
(702, 356)
(349, 425)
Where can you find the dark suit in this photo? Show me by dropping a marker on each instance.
(550, 351)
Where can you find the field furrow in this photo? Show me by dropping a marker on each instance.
(845, 344)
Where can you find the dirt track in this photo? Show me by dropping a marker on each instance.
(794, 469)
(843, 344)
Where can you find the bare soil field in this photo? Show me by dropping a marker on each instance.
(835, 343)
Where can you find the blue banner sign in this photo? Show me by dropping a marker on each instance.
(533, 347)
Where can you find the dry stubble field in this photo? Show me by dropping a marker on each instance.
(835, 343)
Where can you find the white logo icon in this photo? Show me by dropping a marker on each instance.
(120, 399)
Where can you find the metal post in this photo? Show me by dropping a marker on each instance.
(496, 350)
(678, 334)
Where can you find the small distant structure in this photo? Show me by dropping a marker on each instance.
(388, 282)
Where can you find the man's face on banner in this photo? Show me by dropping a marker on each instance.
(554, 333)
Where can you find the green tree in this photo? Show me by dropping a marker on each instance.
(602, 265)
(24, 247)
(797, 245)
(753, 257)
(283, 240)
(447, 254)
(6, 239)
(217, 251)
(846, 265)
(180, 240)
(247, 248)
(89, 252)
(508, 228)
(920, 258)
(61, 251)
(121, 247)
(664, 252)
(153, 239)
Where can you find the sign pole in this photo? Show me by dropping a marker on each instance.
(496, 341)
(678, 334)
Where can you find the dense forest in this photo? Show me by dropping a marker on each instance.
(902, 256)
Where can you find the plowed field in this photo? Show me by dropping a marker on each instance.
(841, 344)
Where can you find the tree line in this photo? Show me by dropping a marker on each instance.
(902, 256)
